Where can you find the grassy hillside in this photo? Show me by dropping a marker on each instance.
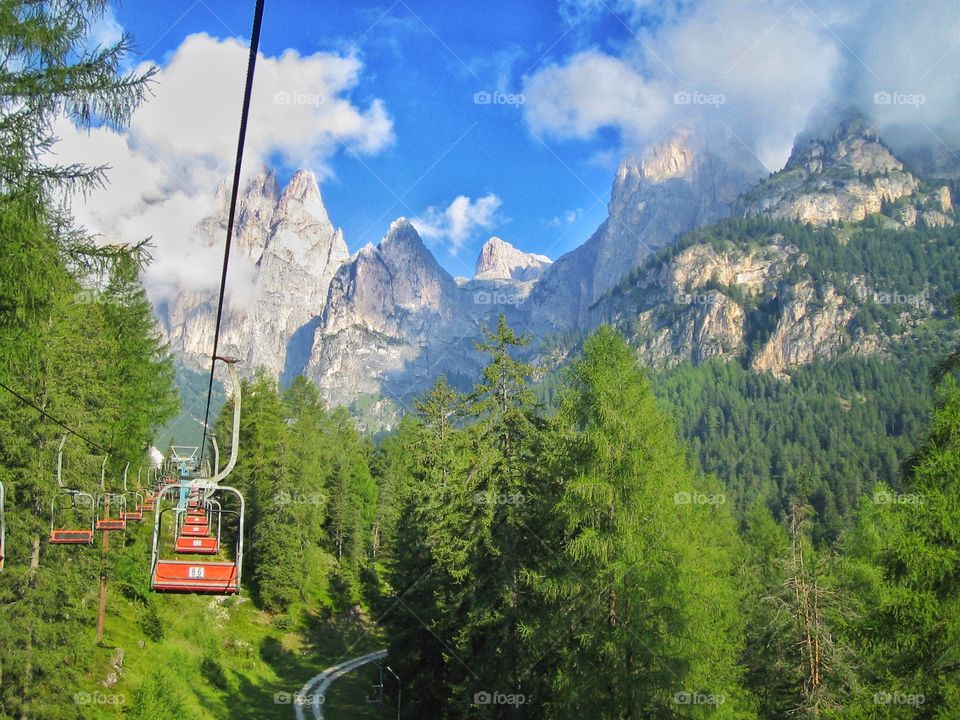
(204, 658)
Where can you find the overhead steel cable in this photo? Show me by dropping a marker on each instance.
(51, 418)
(244, 116)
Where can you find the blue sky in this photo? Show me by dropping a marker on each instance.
(379, 100)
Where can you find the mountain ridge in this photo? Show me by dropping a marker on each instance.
(387, 319)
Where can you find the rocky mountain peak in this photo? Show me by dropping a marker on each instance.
(402, 232)
(841, 174)
(295, 252)
(671, 158)
(690, 179)
(402, 247)
(853, 145)
(499, 260)
(255, 207)
(301, 196)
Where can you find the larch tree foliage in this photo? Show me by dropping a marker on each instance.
(352, 503)
(258, 475)
(463, 538)
(902, 566)
(308, 452)
(641, 594)
(311, 499)
(87, 355)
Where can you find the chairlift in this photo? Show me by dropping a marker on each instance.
(189, 505)
(149, 498)
(110, 506)
(136, 514)
(66, 499)
(200, 544)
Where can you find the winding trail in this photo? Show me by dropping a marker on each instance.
(314, 691)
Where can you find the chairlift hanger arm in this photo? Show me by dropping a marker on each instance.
(235, 437)
(63, 440)
(216, 453)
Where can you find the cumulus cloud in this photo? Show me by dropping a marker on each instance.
(592, 90)
(453, 225)
(760, 68)
(105, 30)
(166, 167)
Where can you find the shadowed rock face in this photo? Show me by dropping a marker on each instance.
(679, 184)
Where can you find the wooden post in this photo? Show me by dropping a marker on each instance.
(104, 548)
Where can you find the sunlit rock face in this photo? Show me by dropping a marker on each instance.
(292, 252)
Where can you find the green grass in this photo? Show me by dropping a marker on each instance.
(221, 657)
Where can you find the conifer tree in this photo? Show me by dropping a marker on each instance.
(641, 595)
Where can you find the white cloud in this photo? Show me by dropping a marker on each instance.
(456, 223)
(566, 218)
(772, 63)
(181, 144)
(105, 31)
(590, 91)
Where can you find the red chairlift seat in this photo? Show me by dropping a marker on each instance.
(219, 578)
(137, 513)
(64, 532)
(71, 537)
(195, 530)
(110, 524)
(106, 522)
(196, 546)
(196, 519)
